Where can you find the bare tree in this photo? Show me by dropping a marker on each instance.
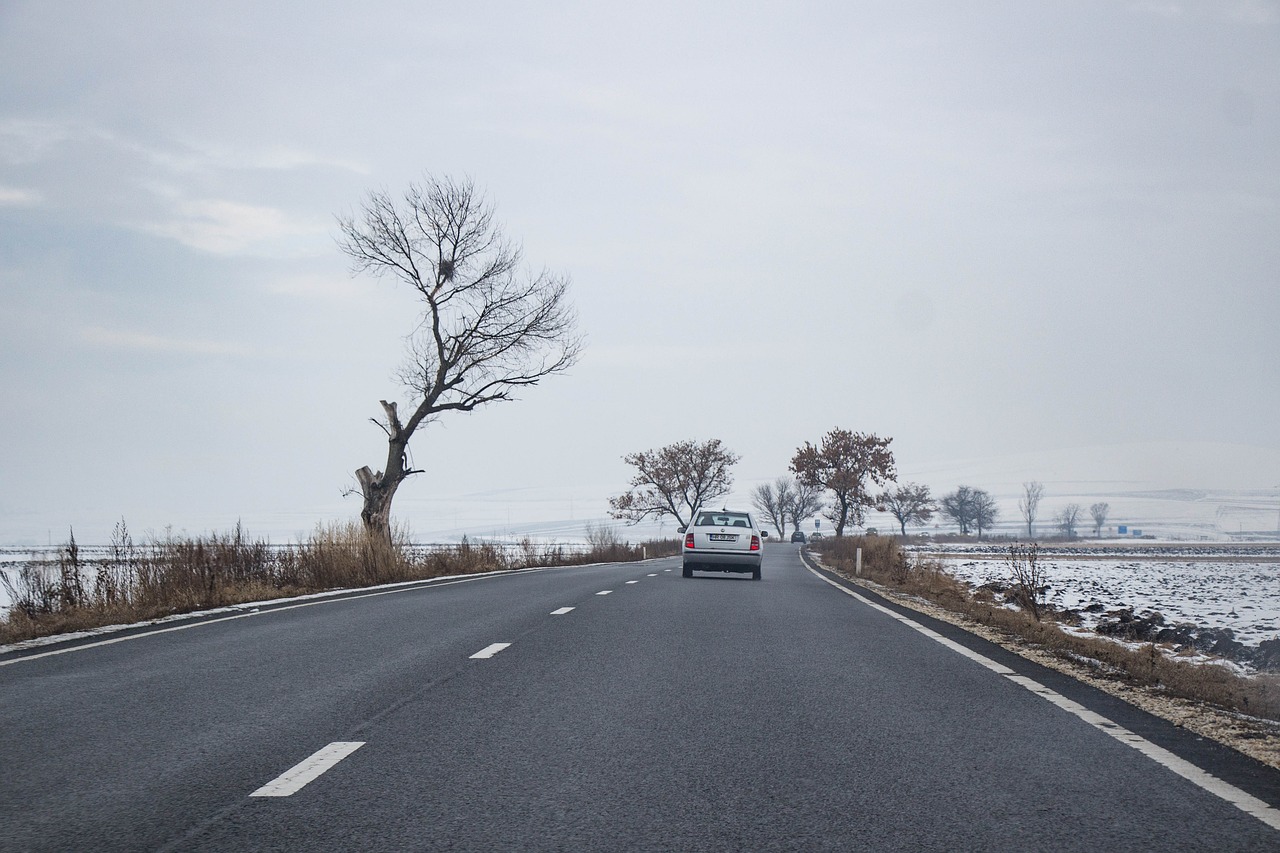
(846, 463)
(1028, 577)
(773, 500)
(1099, 511)
(960, 507)
(675, 480)
(487, 326)
(1067, 519)
(985, 510)
(1029, 504)
(805, 505)
(909, 503)
(602, 537)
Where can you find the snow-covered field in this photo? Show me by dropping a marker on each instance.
(1220, 587)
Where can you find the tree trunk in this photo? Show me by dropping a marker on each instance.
(379, 489)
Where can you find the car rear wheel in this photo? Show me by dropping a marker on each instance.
(687, 571)
(755, 574)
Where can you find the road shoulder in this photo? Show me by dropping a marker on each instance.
(1242, 751)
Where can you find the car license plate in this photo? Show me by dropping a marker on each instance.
(724, 537)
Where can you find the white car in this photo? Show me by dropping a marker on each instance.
(722, 540)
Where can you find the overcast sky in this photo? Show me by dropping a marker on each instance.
(992, 231)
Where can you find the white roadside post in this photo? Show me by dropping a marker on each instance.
(857, 563)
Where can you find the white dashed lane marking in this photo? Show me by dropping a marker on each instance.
(295, 778)
(604, 592)
(489, 651)
(633, 581)
(562, 611)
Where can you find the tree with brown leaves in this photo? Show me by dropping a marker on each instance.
(675, 480)
(846, 464)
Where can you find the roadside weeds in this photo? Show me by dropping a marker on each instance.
(174, 575)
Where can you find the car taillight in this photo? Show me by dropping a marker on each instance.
(755, 543)
(688, 540)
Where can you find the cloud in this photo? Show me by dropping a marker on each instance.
(312, 286)
(224, 227)
(279, 159)
(214, 198)
(12, 197)
(1166, 10)
(670, 356)
(1253, 12)
(23, 141)
(121, 339)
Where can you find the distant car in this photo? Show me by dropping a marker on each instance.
(798, 536)
(722, 541)
(815, 536)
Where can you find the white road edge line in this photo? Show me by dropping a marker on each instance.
(489, 651)
(604, 592)
(561, 611)
(308, 770)
(1242, 800)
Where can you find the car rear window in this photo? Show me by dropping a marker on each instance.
(723, 519)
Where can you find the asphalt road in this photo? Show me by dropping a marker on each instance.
(714, 713)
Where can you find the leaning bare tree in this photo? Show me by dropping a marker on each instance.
(487, 325)
(675, 480)
(773, 500)
(1029, 504)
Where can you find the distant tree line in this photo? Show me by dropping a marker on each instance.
(844, 466)
(841, 477)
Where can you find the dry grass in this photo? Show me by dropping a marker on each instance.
(884, 562)
(178, 574)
